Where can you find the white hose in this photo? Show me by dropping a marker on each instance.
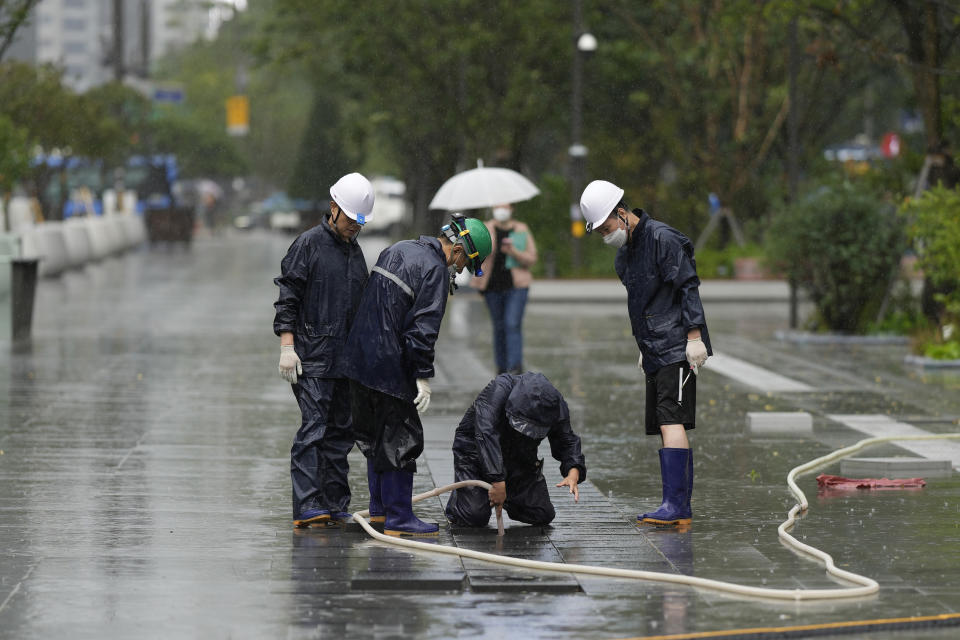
(867, 586)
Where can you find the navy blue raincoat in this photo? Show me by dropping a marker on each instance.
(504, 427)
(321, 280)
(657, 267)
(392, 341)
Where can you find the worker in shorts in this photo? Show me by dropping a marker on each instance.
(656, 265)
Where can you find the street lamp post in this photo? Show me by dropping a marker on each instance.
(585, 44)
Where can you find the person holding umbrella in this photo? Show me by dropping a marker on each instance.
(505, 284)
(656, 265)
(389, 360)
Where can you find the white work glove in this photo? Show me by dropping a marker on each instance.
(696, 354)
(290, 366)
(640, 362)
(422, 401)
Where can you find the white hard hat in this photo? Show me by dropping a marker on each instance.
(598, 201)
(354, 195)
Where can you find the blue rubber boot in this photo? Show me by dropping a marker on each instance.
(676, 474)
(312, 517)
(376, 505)
(396, 491)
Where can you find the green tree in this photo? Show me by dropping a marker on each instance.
(922, 45)
(693, 97)
(323, 157)
(14, 155)
(440, 83)
(279, 92)
(13, 15)
(57, 121)
(200, 150)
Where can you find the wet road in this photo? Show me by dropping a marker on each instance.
(144, 483)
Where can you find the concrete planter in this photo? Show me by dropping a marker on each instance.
(805, 337)
(929, 363)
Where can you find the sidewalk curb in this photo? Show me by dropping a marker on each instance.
(610, 290)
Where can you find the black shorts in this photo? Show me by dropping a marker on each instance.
(671, 397)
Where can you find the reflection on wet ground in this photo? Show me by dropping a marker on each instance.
(144, 440)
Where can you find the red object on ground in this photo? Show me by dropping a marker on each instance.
(825, 481)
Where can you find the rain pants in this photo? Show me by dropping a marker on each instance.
(658, 269)
(321, 280)
(391, 345)
(498, 439)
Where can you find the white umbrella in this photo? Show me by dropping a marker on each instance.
(483, 187)
(206, 186)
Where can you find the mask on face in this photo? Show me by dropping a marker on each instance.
(501, 214)
(616, 239)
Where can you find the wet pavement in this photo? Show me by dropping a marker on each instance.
(144, 484)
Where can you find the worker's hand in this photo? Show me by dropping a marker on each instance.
(696, 353)
(572, 479)
(290, 366)
(640, 361)
(422, 401)
(497, 493)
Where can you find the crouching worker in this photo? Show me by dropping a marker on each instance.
(497, 442)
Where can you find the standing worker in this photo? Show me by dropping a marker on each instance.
(497, 442)
(656, 265)
(505, 285)
(322, 279)
(389, 360)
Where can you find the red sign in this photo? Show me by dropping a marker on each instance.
(890, 145)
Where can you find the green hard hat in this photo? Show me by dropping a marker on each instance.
(481, 241)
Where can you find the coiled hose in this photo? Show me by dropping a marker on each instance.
(865, 586)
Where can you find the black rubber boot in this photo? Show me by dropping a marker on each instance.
(676, 474)
(376, 505)
(396, 491)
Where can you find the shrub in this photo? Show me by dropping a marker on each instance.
(842, 244)
(934, 225)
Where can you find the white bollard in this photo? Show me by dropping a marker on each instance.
(116, 239)
(78, 242)
(20, 214)
(97, 234)
(134, 230)
(52, 248)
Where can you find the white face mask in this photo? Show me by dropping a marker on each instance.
(501, 214)
(616, 239)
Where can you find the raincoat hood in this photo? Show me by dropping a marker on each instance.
(534, 406)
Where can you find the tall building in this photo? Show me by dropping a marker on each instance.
(78, 35)
(176, 24)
